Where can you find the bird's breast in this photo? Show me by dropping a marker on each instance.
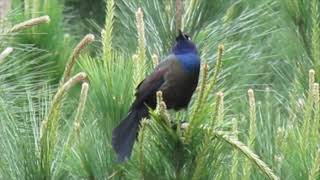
(179, 86)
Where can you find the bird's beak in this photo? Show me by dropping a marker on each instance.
(181, 34)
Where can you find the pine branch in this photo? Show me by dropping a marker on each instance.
(108, 30)
(30, 23)
(89, 38)
(248, 153)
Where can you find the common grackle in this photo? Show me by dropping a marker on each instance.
(176, 76)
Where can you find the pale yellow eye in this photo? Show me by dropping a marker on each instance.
(187, 37)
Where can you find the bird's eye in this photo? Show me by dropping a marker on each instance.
(187, 37)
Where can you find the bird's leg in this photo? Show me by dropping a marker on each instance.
(180, 121)
(186, 116)
(185, 120)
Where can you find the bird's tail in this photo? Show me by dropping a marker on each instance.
(124, 135)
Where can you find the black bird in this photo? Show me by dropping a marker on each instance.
(176, 76)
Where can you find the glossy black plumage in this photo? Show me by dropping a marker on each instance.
(176, 76)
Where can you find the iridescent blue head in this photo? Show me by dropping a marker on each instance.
(184, 44)
(186, 53)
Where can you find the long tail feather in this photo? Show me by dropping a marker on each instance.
(124, 135)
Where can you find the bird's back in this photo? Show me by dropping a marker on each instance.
(172, 78)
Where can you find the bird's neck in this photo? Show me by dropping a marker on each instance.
(182, 51)
(190, 61)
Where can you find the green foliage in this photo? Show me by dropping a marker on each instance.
(265, 46)
(50, 37)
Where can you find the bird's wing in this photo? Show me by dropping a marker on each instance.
(152, 83)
